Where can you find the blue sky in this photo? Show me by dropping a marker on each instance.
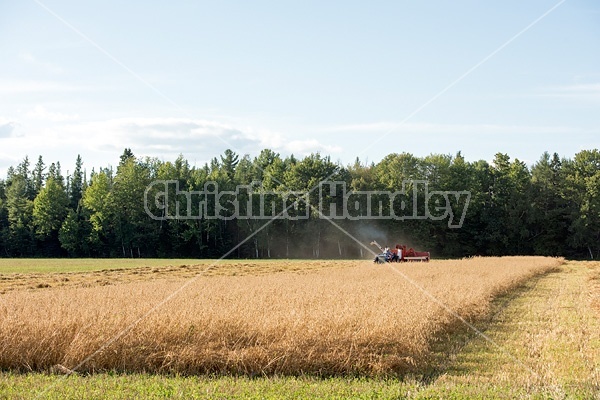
(348, 79)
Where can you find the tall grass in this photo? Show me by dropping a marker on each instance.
(365, 319)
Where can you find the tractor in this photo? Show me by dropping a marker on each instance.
(399, 254)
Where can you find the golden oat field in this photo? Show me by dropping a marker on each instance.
(406, 322)
(342, 318)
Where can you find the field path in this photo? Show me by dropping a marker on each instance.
(551, 328)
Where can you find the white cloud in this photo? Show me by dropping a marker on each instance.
(40, 112)
(44, 65)
(171, 136)
(384, 128)
(593, 88)
(167, 134)
(305, 147)
(583, 91)
(8, 87)
(59, 137)
(26, 56)
(7, 128)
(101, 142)
(475, 141)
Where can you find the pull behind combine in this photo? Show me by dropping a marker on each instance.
(399, 254)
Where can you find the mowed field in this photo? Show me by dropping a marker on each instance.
(403, 327)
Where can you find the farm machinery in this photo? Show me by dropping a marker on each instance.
(399, 254)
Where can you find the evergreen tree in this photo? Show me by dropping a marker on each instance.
(583, 191)
(126, 156)
(39, 175)
(76, 184)
(20, 215)
(4, 234)
(49, 211)
(229, 161)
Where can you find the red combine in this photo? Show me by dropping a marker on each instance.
(400, 254)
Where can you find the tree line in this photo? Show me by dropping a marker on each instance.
(549, 208)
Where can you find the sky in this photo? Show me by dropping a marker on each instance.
(347, 79)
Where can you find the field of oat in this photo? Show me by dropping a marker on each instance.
(321, 318)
